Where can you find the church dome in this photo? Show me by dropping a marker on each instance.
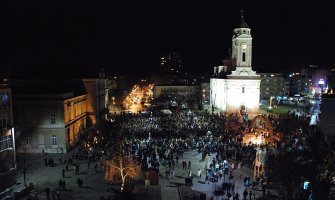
(243, 23)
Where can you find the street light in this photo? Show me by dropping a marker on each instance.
(150, 126)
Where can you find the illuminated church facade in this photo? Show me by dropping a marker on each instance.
(240, 89)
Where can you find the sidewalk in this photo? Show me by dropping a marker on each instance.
(42, 176)
(93, 183)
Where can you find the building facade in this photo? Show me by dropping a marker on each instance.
(299, 84)
(177, 95)
(97, 97)
(327, 116)
(273, 85)
(240, 90)
(49, 115)
(7, 138)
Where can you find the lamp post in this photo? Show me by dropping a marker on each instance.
(113, 101)
(150, 126)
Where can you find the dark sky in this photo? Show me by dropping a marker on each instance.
(77, 38)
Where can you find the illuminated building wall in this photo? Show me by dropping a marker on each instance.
(49, 115)
(179, 93)
(273, 85)
(241, 88)
(7, 150)
(299, 84)
(90, 85)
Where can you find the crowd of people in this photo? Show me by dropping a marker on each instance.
(172, 135)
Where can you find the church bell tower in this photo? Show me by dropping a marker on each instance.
(242, 44)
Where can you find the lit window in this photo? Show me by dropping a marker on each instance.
(53, 118)
(54, 140)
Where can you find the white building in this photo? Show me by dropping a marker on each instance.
(240, 90)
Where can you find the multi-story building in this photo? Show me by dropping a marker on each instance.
(205, 92)
(183, 96)
(327, 116)
(49, 115)
(299, 84)
(273, 85)
(171, 63)
(7, 141)
(97, 97)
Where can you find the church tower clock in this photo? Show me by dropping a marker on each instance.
(242, 44)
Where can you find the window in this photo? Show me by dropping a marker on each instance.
(53, 118)
(6, 142)
(54, 140)
(243, 89)
(3, 123)
(28, 140)
(243, 57)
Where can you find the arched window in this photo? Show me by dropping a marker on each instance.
(242, 89)
(243, 56)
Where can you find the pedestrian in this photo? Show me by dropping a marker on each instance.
(245, 194)
(58, 194)
(96, 168)
(228, 186)
(189, 164)
(45, 161)
(189, 173)
(53, 192)
(47, 192)
(250, 194)
(207, 179)
(63, 173)
(60, 184)
(63, 184)
(237, 196)
(263, 188)
(199, 173)
(233, 187)
(228, 194)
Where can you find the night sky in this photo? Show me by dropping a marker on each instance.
(77, 38)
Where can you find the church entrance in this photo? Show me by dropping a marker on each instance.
(244, 112)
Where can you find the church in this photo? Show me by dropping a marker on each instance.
(238, 90)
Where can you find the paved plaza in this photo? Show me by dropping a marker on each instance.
(93, 183)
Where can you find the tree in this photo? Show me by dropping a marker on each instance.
(24, 159)
(120, 167)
